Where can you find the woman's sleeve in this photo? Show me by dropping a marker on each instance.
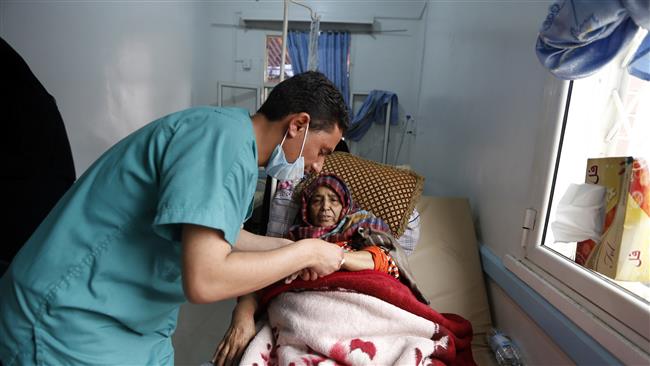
(379, 257)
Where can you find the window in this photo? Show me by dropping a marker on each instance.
(274, 60)
(606, 118)
(272, 64)
(605, 115)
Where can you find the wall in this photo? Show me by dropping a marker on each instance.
(111, 66)
(536, 347)
(389, 61)
(479, 107)
(479, 110)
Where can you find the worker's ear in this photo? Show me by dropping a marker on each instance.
(298, 123)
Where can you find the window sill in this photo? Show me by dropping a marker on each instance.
(584, 332)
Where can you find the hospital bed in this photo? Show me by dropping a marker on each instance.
(446, 260)
(447, 267)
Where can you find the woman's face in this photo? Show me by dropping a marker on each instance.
(324, 207)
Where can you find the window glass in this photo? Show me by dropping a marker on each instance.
(273, 60)
(608, 116)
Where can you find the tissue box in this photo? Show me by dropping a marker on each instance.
(623, 250)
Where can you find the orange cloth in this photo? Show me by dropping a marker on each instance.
(379, 258)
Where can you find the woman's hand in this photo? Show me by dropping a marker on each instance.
(239, 334)
(358, 261)
(308, 275)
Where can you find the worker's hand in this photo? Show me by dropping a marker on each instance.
(304, 274)
(308, 274)
(328, 257)
(233, 344)
(292, 277)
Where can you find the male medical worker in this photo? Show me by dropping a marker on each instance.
(154, 221)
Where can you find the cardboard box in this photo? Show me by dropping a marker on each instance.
(623, 252)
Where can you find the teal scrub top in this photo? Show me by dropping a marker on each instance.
(99, 282)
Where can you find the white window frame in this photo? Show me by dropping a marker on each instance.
(616, 319)
(266, 91)
(221, 85)
(266, 57)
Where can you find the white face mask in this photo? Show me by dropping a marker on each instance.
(279, 168)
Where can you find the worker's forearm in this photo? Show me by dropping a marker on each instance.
(250, 242)
(250, 271)
(211, 272)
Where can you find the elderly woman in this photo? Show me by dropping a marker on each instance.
(329, 213)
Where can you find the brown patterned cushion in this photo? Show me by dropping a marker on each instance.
(388, 192)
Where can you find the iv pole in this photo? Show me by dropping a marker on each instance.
(285, 27)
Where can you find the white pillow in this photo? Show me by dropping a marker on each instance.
(409, 240)
(283, 209)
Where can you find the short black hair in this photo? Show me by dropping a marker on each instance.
(310, 92)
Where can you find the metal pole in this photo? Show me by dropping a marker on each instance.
(285, 27)
(386, 133)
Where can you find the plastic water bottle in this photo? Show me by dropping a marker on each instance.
(505, 352)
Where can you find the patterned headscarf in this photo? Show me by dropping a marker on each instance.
(349, 221)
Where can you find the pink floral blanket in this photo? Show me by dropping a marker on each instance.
(356, 318)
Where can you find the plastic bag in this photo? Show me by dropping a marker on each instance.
(580, 214)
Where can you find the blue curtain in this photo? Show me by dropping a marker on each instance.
(298, 47)
(372, 110)
(579, 37)
(333, 49)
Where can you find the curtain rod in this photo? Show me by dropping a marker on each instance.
(343, 29)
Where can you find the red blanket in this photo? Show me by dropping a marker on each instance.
(451, 330)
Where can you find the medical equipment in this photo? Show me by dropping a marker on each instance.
(313, 36)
